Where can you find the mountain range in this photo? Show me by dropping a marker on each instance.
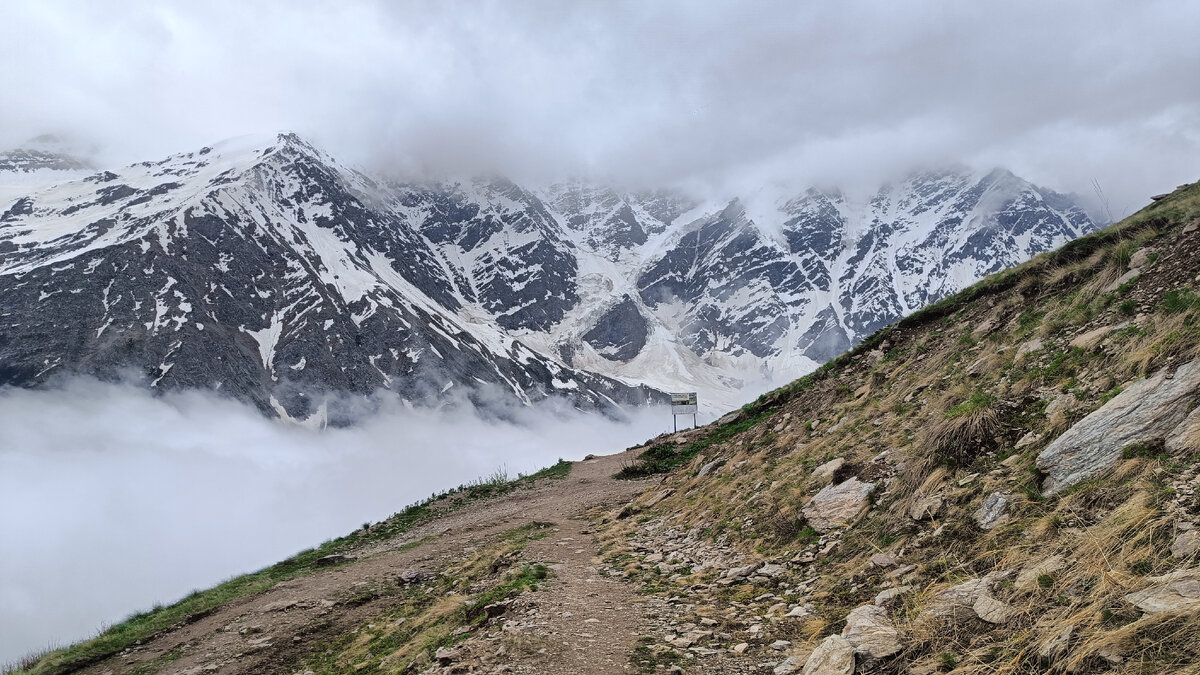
(267, 269)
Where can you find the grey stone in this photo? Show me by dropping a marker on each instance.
(1175, 592)
(1027, 579)
(834, 656)
(994, 510)
(1186, 544)
(991, 610)
(883, 560)
(1090, 339)
(825, 471)
(889, 595)
(1186, 436)
(1056, 647)
(790, 665)
(926, 508)
(871, 633)
(837, 505)
(1149, 410)
(956, 603)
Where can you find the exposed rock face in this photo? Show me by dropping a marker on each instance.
(994, 510)
(834, 656)
(1174, 592)
(621, 333)
(837, 505)
(871, 633)
(1149, 410)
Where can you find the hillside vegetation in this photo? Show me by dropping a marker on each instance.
(910, 499)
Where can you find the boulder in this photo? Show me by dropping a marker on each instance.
(994, 510)
(871, 633)
(826, 471)
(837, 505)
(1174, 592)
(834, 656)
(1149, 410)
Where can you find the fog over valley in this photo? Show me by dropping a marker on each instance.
(113, 500)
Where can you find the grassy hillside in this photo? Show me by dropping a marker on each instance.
(940, 413)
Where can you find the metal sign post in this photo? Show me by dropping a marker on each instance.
(683, 404)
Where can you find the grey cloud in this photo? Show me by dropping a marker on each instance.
(112, 500)
(645, 92)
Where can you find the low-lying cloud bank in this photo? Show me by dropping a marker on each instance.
(112, 500)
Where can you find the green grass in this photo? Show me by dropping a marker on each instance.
(979, 401)
(663, 457)
(1180, 300)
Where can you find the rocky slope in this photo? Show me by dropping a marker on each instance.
(268, 270)
(1004, 482)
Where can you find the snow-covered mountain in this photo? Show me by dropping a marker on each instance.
(268, 270)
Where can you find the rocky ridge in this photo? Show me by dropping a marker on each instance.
(266, 269)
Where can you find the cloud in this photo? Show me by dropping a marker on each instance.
(1064, 93)
(112, 500)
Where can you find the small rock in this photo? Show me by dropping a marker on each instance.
(335, 559)
(883, 560)
(1034, 345)
(446, 655)
(1140, 257)
(926, 508)
(834, 656)
(771, 570)
(1056, 647)
(1186, 544)
(1027, 580)
(740, 647)
(887, 596)
(708, 468)
(993, 512)
(837, 505)
(826, 471)
(1175, 592)
(780, 645)
(992, 610)
(1092, 338)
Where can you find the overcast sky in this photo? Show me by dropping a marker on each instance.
(646, 91)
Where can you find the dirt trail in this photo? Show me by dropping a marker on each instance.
(582, 621)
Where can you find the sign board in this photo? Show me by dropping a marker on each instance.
(683, 404)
